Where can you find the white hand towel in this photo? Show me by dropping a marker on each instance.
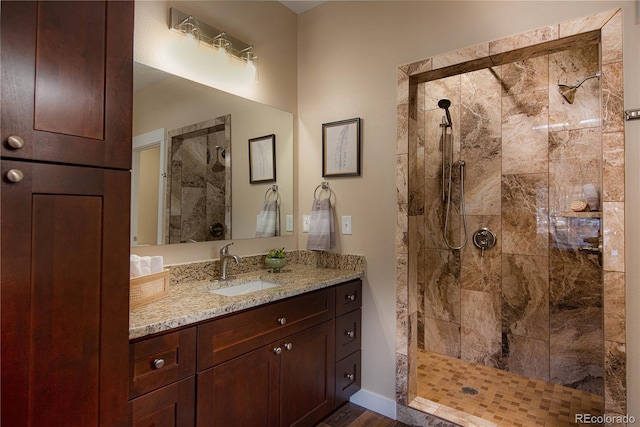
(145, 265)
(268, 222)
(134, 268)
(321, 226)
(157, 264)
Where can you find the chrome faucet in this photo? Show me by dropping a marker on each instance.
(224, 258)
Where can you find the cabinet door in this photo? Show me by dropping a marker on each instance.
(241, 392)
(64, 295)
(307, 376)
(171, 406)
(67, 72)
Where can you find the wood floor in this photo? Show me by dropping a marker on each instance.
(356, 416)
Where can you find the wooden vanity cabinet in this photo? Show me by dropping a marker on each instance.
(162, 380)
(65, 103)
(348, 340)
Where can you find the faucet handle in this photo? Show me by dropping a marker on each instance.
(225, 249)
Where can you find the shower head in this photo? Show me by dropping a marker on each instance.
(218, 166)
(445, 104)
(569, 92)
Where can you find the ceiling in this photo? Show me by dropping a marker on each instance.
(301, 5)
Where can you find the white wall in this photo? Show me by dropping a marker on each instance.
(348, 55)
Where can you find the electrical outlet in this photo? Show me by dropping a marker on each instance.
(346, 225)
(305, 223)
(289, 224)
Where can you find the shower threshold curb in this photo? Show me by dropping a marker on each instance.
(446, 413)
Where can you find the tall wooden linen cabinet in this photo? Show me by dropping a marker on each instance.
(66, 107)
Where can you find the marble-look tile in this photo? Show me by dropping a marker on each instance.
(442, 287)
(614, 307)
(442, 337)
(522, 40)
(481, 328)
(613, 189)
(434, 215)
(402, 278)
(175, 185)
(526, 76)
(402, 192)
(460, 56)
(193, 162)
(615, 388)
(568, 67)
(575, 350)
(482, 271)
(403, 330)
(575, 159)
(445, 88)
(419, 67)
(612, 40)
(525, 225)
(402, 227)
(613, 236)
(193, 203)
(480, 130)
(575, 277)
(527, 356)
(402, 370)
(612, 99)
(402, 87)
(403, 129)
(525, 296)
(583, 25)
(524, 133)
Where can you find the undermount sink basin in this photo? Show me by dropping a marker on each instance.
(244, 288)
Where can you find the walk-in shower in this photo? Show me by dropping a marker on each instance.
(446, 145)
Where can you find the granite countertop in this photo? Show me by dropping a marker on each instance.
(190, 301)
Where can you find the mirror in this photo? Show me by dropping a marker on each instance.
(191, 156)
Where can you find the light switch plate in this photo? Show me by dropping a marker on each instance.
(346, 225)
(289, 223)
(305, 223)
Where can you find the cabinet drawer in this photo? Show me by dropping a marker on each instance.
(222, 339)
(348, 338)
(172, 405)
(348, 297)
(347, 378)
(159, 361)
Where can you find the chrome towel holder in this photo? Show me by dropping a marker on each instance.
(272, 191)
(323, 186)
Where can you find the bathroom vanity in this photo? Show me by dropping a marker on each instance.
(287, 355)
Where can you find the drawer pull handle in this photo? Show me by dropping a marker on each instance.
(15, 175)
(350, 334)
(350, 297)
(277, 350)
(349, 376)
(288, 346)
(282, 320)
(15, 142)
(158, 363)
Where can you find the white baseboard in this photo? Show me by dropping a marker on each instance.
(375, 402)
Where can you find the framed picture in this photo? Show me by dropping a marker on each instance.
(341, 148)
(262, 159)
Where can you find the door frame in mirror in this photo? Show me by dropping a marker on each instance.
(145, 141)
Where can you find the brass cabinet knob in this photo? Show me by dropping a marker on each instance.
(15, 142)
(15, 175)
(158, 363)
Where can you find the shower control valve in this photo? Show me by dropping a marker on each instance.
(484, 239)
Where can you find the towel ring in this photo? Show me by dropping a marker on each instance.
(270, 191)
(323, 186)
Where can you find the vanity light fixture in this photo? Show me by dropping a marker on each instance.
(217, 39)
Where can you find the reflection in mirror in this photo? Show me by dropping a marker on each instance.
(167, 106)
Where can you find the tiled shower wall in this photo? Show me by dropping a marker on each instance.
(527, 304)
(531, 305)
(198, 187)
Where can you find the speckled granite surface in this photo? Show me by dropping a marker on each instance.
(190, 300)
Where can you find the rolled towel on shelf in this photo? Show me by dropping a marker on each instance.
(591, 197)
(321, 226)
(145, 265)
(268, 222)
(157, 264)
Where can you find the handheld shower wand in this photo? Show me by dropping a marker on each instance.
(445, 104)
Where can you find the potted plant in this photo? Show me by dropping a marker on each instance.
(276, 259)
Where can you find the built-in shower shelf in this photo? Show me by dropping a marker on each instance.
(571, 214)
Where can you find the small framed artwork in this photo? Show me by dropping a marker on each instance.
(262, 159)
(341, 148)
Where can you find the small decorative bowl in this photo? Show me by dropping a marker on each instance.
(276, 264)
